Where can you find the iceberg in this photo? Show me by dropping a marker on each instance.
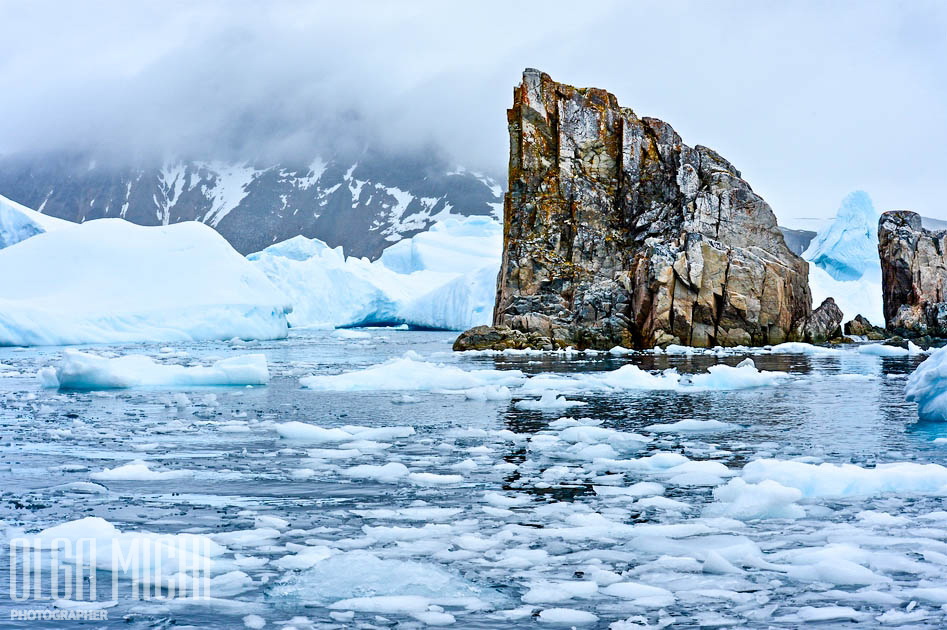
(453, 245)
(18, 223)
(848, 247)
(927, 386)
(844, 260)
(111, 281)
(81, 370)
(444, 278)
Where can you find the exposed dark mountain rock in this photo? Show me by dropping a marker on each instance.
(364, 203)
(862, 327)
(797, 240)
(913, 275)
(616, 232)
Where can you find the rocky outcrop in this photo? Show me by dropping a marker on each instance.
(913, 275)
(500, 338)
(824, 323)
(797, 240)
(861, 327)
(616, 232)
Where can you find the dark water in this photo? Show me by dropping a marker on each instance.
(240, 469)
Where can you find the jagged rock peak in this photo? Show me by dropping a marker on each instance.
(913, 275)
(616, 232)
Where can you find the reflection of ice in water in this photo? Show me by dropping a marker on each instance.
(643, 506)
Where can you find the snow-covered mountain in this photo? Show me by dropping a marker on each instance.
(363, 202)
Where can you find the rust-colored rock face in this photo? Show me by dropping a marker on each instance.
(616, 232)
(913, 275)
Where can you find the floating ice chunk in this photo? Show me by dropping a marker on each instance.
(304, 432)
(797, 347)
(304, 558)
(692, 426)
(548, 402)
(640, 489)
(384, 604)
(830, 613)
(388, 473)
(566, 617)
(927, 386)
(138, 470)
(352, 581)
(642, 594)
(842, 480)
(80, 370)
(745, 375)
(348, 333)
(411, 375)
(127, 282)
(488, 392)
(254, 622)
(434, 618)
(662, 503)
(555, 592)
(247, 537)
(145, 556)
(882, 350)
(767, 499)
(432, 479)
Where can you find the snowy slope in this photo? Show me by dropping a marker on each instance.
(444, 278)
(18, 223)
(112, 281)
(844, 260)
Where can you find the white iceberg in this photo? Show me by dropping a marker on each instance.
(81, 370)
(844, 261)
(453, 246)
(927, 386)
(444, 278)
(408, 374)
(111, 281)
(848, 246)
(18, 223)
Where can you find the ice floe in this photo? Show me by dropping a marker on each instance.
(82, 370)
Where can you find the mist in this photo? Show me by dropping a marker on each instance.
(810, 100)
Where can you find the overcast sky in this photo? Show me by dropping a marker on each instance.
(810, 100)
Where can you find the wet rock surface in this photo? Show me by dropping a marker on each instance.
(616, 232)
(824, 323)
(862, 327)
(913, 275)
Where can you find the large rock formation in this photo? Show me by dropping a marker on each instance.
(913, 275)
(616, 232)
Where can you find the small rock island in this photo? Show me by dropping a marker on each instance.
(618, 233)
